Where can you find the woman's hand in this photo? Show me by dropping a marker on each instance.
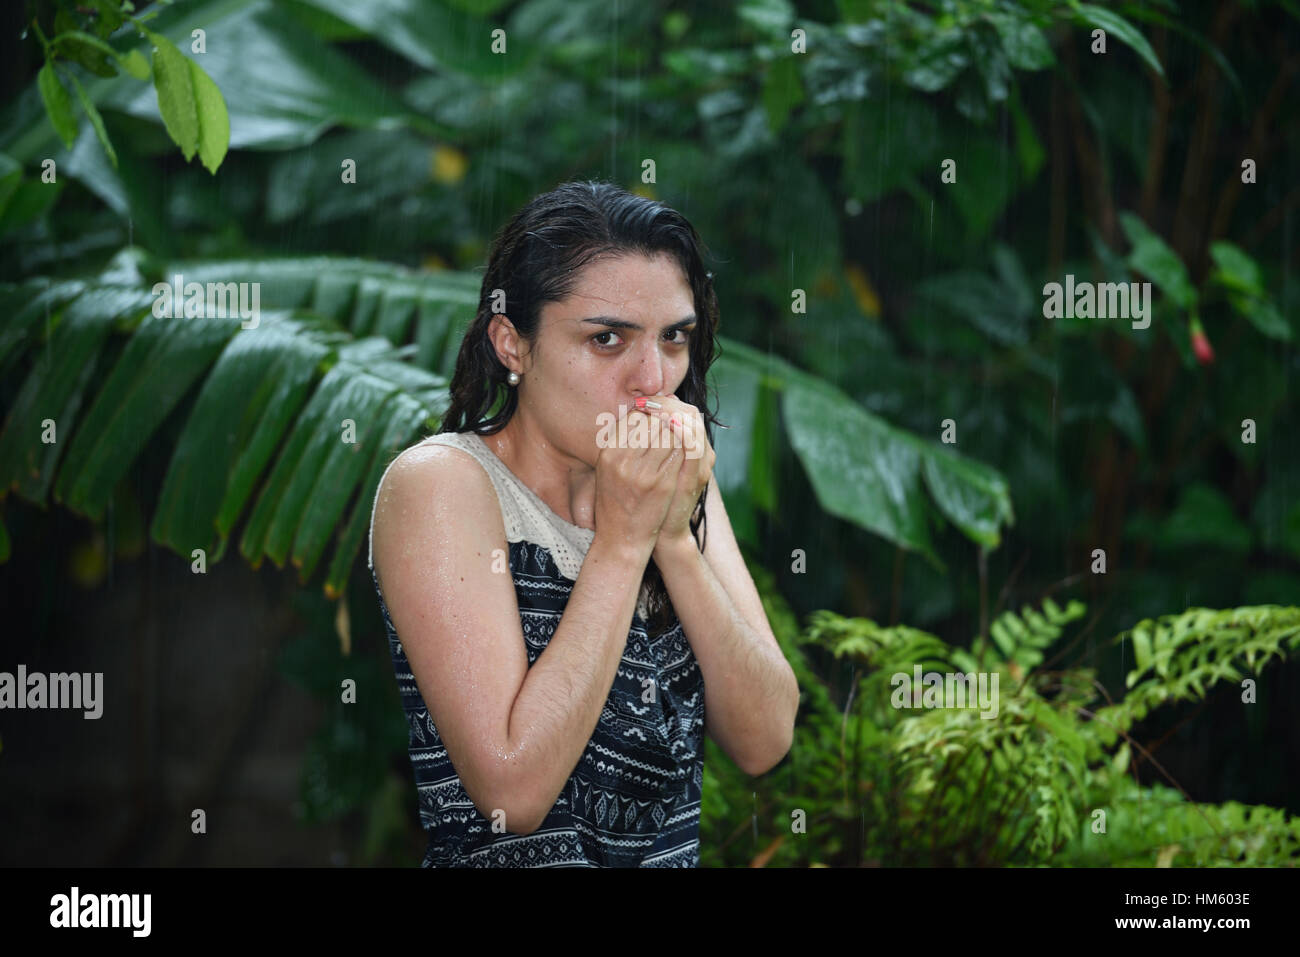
(636, 483)
(695, 473)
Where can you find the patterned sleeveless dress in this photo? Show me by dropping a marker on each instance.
(633, 799)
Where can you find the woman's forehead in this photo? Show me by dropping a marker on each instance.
(626, 289)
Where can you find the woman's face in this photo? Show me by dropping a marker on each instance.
(625, 331)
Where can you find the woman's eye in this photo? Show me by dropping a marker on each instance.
(599, 338)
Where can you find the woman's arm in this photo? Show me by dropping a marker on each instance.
(751, 695)
(513, 733)
(566, 690)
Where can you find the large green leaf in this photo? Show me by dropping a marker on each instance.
(259, 394)
(54, 388)
(57, 103)
(859, 471)
(326, 455)
(972, 495)
(737, 385)
(404, 425)
(174, 86)
(345, 465)
(861, 468)
(257, 384)
(313, 419)
(391, 165)
(1152, 257)
(293, 374)
(163, 359)
(435, 37)
(250, 403)
(1240, 275)
(1022, 41)
(936, 63)
(980, 300)
(1112, 22)
(284, 86)
(214, 119)
(96, 121)
(30, 303)
(404, 417)
(355, 293)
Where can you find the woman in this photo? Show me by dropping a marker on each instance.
(536, 521)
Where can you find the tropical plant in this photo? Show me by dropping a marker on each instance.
(1041, 781)
(812, 147)
(191, 106)
(307, 405)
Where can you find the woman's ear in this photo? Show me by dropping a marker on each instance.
(505, 340)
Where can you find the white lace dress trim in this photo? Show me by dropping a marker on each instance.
(525, 516)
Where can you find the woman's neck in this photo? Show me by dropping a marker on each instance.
(567, 485)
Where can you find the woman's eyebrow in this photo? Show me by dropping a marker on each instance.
(614, 323)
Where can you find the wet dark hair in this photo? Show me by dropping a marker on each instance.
(535, 259)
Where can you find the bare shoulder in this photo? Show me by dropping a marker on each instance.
(437, 536)
(437, 493)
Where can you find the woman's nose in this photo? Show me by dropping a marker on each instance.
(648, 378)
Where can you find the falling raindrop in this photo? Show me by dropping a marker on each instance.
(111, 546)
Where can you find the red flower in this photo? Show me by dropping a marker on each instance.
(1200, 344)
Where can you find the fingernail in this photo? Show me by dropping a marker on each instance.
(640, 402)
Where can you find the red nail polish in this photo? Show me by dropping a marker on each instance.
(640, 402)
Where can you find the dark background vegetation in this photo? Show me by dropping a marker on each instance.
(816, 171)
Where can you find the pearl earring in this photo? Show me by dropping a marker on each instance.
(513, 378)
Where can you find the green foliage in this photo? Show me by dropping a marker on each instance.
(192, 108)
(348, 766)
(923, 302)
(869, 782)
(1113, 23)
(1156, 827)
(1153, 257)
(1178, 657)
(57, 104)
(266, 417)
(1240, 275)
(190, 103)
(344, 341)
(1019, 639)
